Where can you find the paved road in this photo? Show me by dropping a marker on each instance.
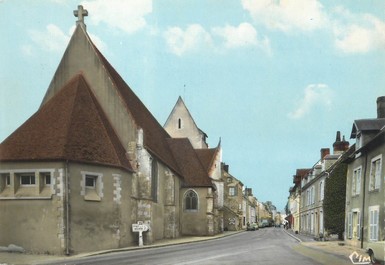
(266, 246)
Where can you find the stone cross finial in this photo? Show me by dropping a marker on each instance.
(80, 14)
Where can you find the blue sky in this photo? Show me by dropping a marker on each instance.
(273, 79)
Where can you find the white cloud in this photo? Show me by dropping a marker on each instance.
(357, 33)
(52, 39)
(243, 35)
(195, 37)
(351, 32)
(128, 16)
(314, 95)
(287, 15)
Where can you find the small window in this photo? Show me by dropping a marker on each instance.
(356, 181)
(229, 180)
(191, 200)
(27, 179)
(321, 190)
(179, 123)
(232, 191)
(45, 177)
(8, 180)
(48, 179)
(375, 173)
(90, 182)
(5, 181)
(91, 186)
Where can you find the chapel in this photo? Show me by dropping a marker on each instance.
(93, 161)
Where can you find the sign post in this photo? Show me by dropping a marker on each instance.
(140, 228)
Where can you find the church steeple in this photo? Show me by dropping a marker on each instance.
(80, 14)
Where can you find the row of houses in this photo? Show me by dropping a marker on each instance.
(93, 161)
(343, 193)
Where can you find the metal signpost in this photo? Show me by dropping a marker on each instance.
(140, 227)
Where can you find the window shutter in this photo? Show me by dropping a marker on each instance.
(378, 174)
(375, 225)
(354, 182)
(350, 227)
(358, 225)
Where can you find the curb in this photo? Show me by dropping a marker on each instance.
(107, 251)
(293, 236)
(43, 259)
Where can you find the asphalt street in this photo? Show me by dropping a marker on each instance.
(265, 246)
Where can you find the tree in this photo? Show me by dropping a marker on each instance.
(270, 206)
(334, 201)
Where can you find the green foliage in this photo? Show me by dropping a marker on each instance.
(334, 201)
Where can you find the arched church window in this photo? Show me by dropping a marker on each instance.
(154, 180)
(191, 200)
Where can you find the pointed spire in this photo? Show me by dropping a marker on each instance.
(80, 14)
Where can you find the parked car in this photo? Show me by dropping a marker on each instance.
(252, 227)
(264, 224)
(376, 251)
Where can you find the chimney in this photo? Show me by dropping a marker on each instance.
(340, 146)
(381, 107)
(338, 136)
(226, 167)
(324, 152)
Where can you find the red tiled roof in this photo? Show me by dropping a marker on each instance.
(302, 172)
(70, 126)
(194, 173)
(155, 136)
(207, 157)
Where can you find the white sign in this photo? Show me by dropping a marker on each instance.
(139, 228)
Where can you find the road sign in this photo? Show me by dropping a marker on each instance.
(139, 228)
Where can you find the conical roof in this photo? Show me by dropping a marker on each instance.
(70, 126)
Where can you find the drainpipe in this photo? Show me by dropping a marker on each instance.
(299, 209)
(362, 217)
(67, 205)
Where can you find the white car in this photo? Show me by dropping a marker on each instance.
(376, 251)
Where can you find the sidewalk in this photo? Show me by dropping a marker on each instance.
(299, 237)
(334, 247)
(7, 258)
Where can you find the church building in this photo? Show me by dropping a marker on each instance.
(93, 161)
(181, 125)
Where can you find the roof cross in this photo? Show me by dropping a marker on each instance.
(80, 14)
